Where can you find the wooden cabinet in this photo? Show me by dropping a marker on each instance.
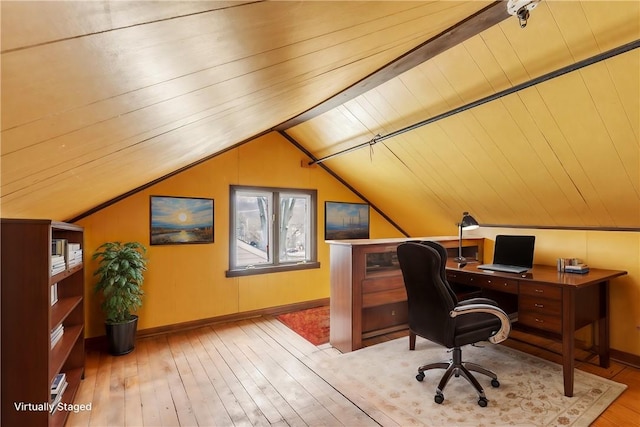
(368, 297)
(29, 361)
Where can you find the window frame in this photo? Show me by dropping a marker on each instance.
(276, 265)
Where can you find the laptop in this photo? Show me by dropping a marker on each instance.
(512, 254)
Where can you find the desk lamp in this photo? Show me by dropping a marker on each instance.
(466, 223)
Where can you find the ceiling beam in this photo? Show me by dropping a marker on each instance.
(463, 30)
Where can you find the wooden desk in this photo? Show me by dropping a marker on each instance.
(550, 301)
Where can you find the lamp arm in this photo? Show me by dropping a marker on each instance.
(505, 323)
(460, 242)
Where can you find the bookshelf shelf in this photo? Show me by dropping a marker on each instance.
(60, 353)
(62, 309)
(30, 251)
(63, 275)
(73, 377)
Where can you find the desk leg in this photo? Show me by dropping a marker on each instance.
(568, 332)
(603, 325)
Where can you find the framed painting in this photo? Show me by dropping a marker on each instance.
(181, 220)
(346, 221)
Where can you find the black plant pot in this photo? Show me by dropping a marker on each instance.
(122, 336)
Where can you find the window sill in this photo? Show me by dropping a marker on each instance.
(271, 269)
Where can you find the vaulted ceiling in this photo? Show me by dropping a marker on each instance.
(102, 97)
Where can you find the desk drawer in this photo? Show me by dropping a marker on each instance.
(537, 305)
(499, 284)
(457, 277)
(540, 321)
(484, 281)
(541, 290)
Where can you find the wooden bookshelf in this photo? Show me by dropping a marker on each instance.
(29, 363)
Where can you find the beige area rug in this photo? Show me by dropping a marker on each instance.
(381, 380)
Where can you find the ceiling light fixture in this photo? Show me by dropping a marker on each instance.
(521, 8)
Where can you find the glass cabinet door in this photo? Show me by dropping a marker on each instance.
(382, 261)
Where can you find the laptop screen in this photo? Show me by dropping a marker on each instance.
(514, 250)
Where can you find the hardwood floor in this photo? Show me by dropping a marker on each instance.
(253, 372)
(249, 372)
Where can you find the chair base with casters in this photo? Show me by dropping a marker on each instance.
(457, 367)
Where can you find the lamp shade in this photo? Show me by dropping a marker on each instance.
(468, 222)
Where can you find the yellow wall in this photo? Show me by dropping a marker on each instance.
(187, 282)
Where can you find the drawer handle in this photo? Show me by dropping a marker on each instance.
(505, 284)
(539, 321)
(540, 291)
(539, 305)
(488, 281)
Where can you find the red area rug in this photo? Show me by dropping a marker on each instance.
(311, 324)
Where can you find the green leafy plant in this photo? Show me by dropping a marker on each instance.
(120, 278)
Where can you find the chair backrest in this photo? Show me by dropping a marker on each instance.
(429, 297)
(443, 265)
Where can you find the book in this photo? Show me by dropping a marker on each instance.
(56, 334)
(73, 246)
(54, 293)
(58, 256)
(74, 254)
(58, 264)
(57, 398)
(58, 246)
(57, 383)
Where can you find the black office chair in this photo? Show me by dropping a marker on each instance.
(436, 314)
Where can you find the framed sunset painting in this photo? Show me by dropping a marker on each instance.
(181, 220)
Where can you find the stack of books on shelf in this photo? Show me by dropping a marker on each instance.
(56, 334)
(58, 264)
(74, 254)
(58, 387)
(54, 293)
(58, 251)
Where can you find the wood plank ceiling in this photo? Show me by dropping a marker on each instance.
(563, 153)
(101, 97)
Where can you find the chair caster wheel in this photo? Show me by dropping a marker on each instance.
(482, 402)
(495, 383)
(439, 398)
(420, 376)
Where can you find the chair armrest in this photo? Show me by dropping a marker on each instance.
(505, 323)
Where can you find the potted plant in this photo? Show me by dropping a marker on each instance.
(120, 282)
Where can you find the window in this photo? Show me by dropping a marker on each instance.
(272, 229)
